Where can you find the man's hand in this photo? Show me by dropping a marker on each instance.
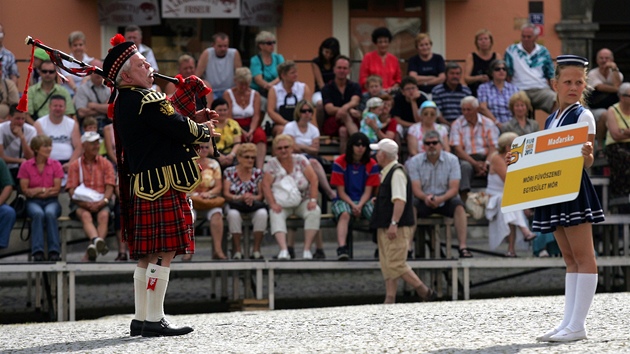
(481, 169)
(391, 232)
(431, 202)
(18, 131)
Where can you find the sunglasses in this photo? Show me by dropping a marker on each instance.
(501, 68)
(249, 157)
(47, 71)
(306, 110)
(625, 94)
(269, 42)
(360, 144)
(429, 143)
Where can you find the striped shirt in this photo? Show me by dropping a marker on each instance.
(497, 100)
(448, 101)
(477, 139)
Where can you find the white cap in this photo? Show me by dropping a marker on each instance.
(387, 145)
(90, 137)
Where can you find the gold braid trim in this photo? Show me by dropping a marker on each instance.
(151, 97)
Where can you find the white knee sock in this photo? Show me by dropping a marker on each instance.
(570, 284)
(585, 291)
(140, 293)
(156, 289)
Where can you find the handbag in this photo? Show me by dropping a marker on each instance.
(200, 203)
(287, 109)
(83, 193)
(19, 205)
(476, 204)
(242, 207)
(286, 193)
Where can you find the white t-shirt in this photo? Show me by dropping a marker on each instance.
(61, 135)
(585, 116)
(595, 77)
(301, 138)
(12, 143)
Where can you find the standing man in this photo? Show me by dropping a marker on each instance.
(435, 176)
(7, 60)
(91, 99)
(40, 94)
(15, 140)
(531, 68)
(448, 95)
(394, 220)
(341, 98)
(217, 64)
(133, 34)
(158, 170)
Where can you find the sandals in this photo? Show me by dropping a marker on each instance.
(510, 255)
(430, 296)
(530, 237)
(122, 257)
(465, 253)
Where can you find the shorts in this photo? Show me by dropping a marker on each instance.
(542, 98)
(339, 207)
(447, 209)
(332, 125)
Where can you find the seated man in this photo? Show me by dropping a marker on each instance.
(7, 213)
(15, 140)
(435, 176)
(341, 98)
(95, 172)
(91, 99)
(9, 95)
(448, 95)
(40, 94)
(406, 103)
(474, 138)
(63, 130)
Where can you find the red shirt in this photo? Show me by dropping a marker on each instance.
(96, 175)
(372, 64)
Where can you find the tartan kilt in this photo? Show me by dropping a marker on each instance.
(162, 225)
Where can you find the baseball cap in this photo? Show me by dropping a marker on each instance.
(41, 54)
(387, 145)
(374, 102)
(90, 137)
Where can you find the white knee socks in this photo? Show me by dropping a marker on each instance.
(140, 293)
(585, 291)
(570, 284)
(156, 289)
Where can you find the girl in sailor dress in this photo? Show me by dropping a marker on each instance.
(571, 221)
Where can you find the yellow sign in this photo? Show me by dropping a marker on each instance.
(545, 168)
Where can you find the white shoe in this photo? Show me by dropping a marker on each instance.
(284, 255)
(257, 255)
(545, 337)
(567, 335)
(237, 255)
(543, 253)
(307, 255)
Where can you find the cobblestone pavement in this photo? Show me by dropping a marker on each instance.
(507, 325)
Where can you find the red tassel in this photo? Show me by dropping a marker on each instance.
(23, 104)
(117, 39)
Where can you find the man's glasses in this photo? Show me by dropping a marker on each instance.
(47, 71)
(429, 143)
(269, 42)
(249, 157)
(306, 110)
(500, 68)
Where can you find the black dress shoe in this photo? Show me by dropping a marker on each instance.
(163, 328)
(54, 257)
(38, 257)
(136, 328)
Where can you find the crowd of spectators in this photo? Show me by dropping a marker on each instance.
(449, 117)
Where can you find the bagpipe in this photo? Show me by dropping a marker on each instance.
(188, 90)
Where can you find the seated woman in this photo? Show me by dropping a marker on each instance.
(40, 181)
(510, 225)
(207, 199)
(521, 124)
(245, 106)
(322, 67)
(356, 175)
(264, 64)
(230, 131)
(306, 137)
(381, 62)
(494, 95)
(478, 62)
(303, 201)
(415, 134)
(242, 190)
(618, 142)
(427, 67)
(284, 96)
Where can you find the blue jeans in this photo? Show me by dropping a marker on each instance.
(7, 219)
(44, 211)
